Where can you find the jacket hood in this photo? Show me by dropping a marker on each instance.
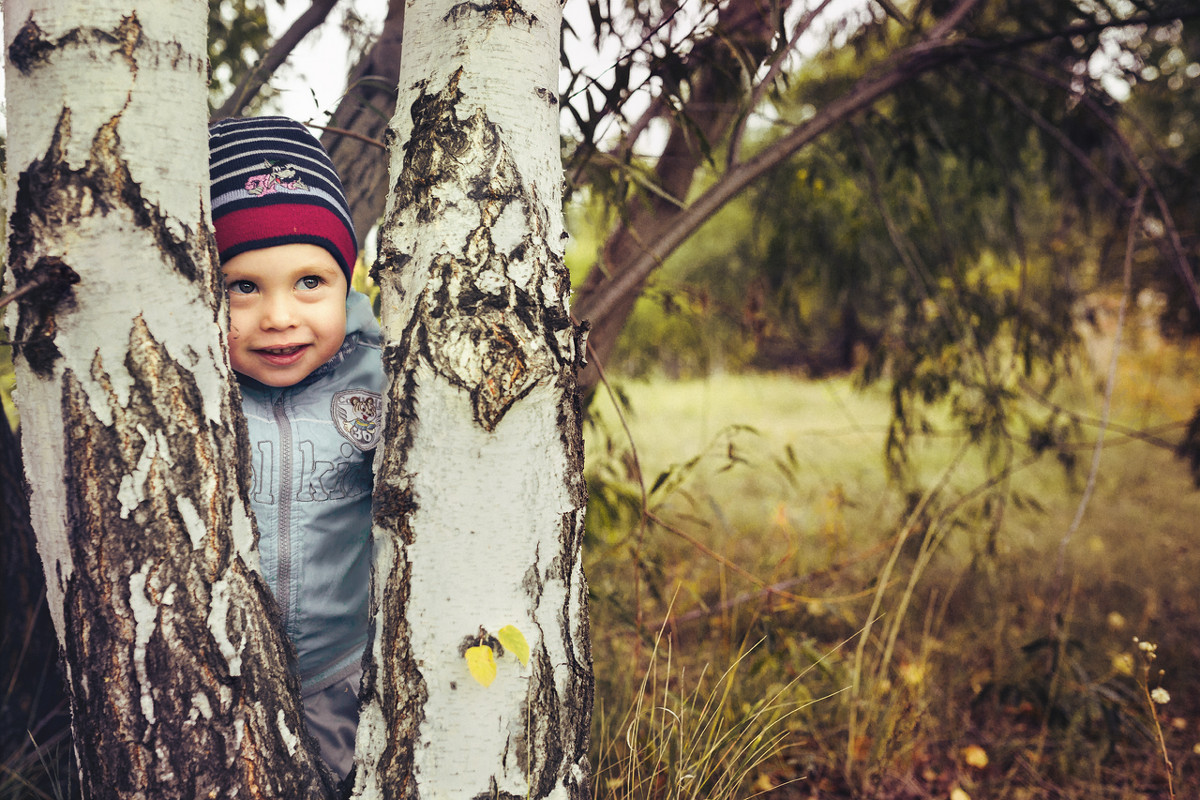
(360, 318)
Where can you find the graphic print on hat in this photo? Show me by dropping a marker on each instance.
(272, 183)
(280, 176)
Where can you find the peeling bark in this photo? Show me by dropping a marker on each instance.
(176, 664)
(483, 326)
(136, 455)
(479, 486)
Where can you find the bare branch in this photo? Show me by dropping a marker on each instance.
(352, 134)
(952, 20)
(1061, 139)
(937, 50)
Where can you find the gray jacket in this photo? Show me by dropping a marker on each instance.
(311, 447)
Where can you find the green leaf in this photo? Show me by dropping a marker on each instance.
(512, 638)
(482, 664)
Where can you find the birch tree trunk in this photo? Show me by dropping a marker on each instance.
(479, 490)
(133, 445)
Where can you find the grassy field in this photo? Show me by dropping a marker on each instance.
(785, 620)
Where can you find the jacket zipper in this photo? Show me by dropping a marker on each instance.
(283, 532)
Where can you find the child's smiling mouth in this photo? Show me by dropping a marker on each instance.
(282, 355)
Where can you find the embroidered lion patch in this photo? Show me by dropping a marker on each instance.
(358, 416)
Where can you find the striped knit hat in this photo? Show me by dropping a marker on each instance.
(273, 184)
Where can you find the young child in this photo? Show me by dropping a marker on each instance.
(307, 353)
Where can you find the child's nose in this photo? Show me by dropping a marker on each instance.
(278, 312)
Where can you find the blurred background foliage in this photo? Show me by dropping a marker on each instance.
(237, 39)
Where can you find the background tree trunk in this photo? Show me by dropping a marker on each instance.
(177, 669)
(479, 489)
(366, 108)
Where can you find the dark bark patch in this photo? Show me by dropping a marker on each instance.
(581, 340)
(570, 427)
(49, 290)
(540, 750)
(480, 638)
(30, 47)
(399, 685)
(393, 504)
(52, 196)
(508, 10)
(127, 37)
(493, 793)
(394, 682)
(388, 262)
(110, 177)
(481, 328)
(532, 584)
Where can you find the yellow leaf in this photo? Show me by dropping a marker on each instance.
(514, 640)
(482, 663)
(958, 794)
(975, 756)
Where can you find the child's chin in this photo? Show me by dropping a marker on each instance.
(275, 380)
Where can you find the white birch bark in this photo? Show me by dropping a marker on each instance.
(479, 490)
(178, 674)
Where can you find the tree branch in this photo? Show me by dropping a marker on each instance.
(1174, 249)
(1061, 139)
(361, 118)
(910, 63)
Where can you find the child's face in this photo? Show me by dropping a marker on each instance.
(287, 311)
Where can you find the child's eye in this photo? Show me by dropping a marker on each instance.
(241, 287)
(309, 282)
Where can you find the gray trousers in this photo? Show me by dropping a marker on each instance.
(332, 717)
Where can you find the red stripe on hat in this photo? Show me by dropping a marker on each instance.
(263, 222)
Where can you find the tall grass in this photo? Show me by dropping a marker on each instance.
(695, 735)
(969, 659)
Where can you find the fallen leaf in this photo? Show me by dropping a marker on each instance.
(957, 793)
